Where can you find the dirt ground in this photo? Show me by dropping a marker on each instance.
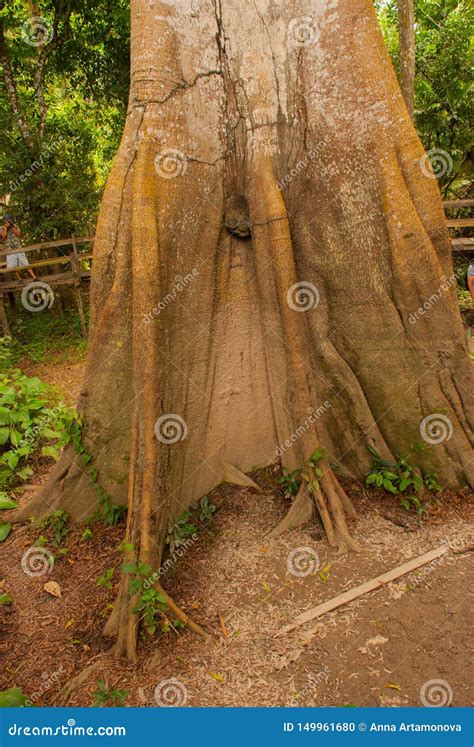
(382, 649)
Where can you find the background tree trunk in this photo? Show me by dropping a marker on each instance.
(268, 231)
(406, 33)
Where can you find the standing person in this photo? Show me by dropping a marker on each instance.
(10, 233)
(470, 278)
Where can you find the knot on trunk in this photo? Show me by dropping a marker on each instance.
(237, 216)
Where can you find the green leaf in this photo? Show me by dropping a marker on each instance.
(129, 567)
(12, 459)
(4, 531)
(16, 438)
(49, 433)
(50, 451)
(6, 502)
(4, 435)
(12, 698)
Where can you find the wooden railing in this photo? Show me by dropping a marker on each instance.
(73, 273)
(460, 243)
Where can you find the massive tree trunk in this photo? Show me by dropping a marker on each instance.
(406, 36)
(270, 229)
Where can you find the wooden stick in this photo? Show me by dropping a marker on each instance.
(358, 591)
(223, 626)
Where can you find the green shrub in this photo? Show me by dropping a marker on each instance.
(29, 425)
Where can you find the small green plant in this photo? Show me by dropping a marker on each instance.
(206, 509)
(87, 534)
(57, 524)
(152, 605)
(179, 530)
(412, 501)
(400, 477)
(6, 598)
(28, 425)
(431, 481)
(393, 477)
(290, 482)
(103, 696)
(106, 579)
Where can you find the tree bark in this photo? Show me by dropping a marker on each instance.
(267, 233)
(406, 34)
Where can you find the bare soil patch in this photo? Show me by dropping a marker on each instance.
(378, 650)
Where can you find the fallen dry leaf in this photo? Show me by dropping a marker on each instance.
(217, 676)
(53, 588)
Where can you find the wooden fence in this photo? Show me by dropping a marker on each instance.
(76, 264)
(74, 270)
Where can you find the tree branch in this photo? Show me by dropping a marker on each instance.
(12, 91)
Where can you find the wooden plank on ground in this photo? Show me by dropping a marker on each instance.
(358, 591)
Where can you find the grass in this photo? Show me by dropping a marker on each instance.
(48, 336)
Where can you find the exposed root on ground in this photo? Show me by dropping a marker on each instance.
(325, 493)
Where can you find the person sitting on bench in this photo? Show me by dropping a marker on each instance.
(10, 233)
